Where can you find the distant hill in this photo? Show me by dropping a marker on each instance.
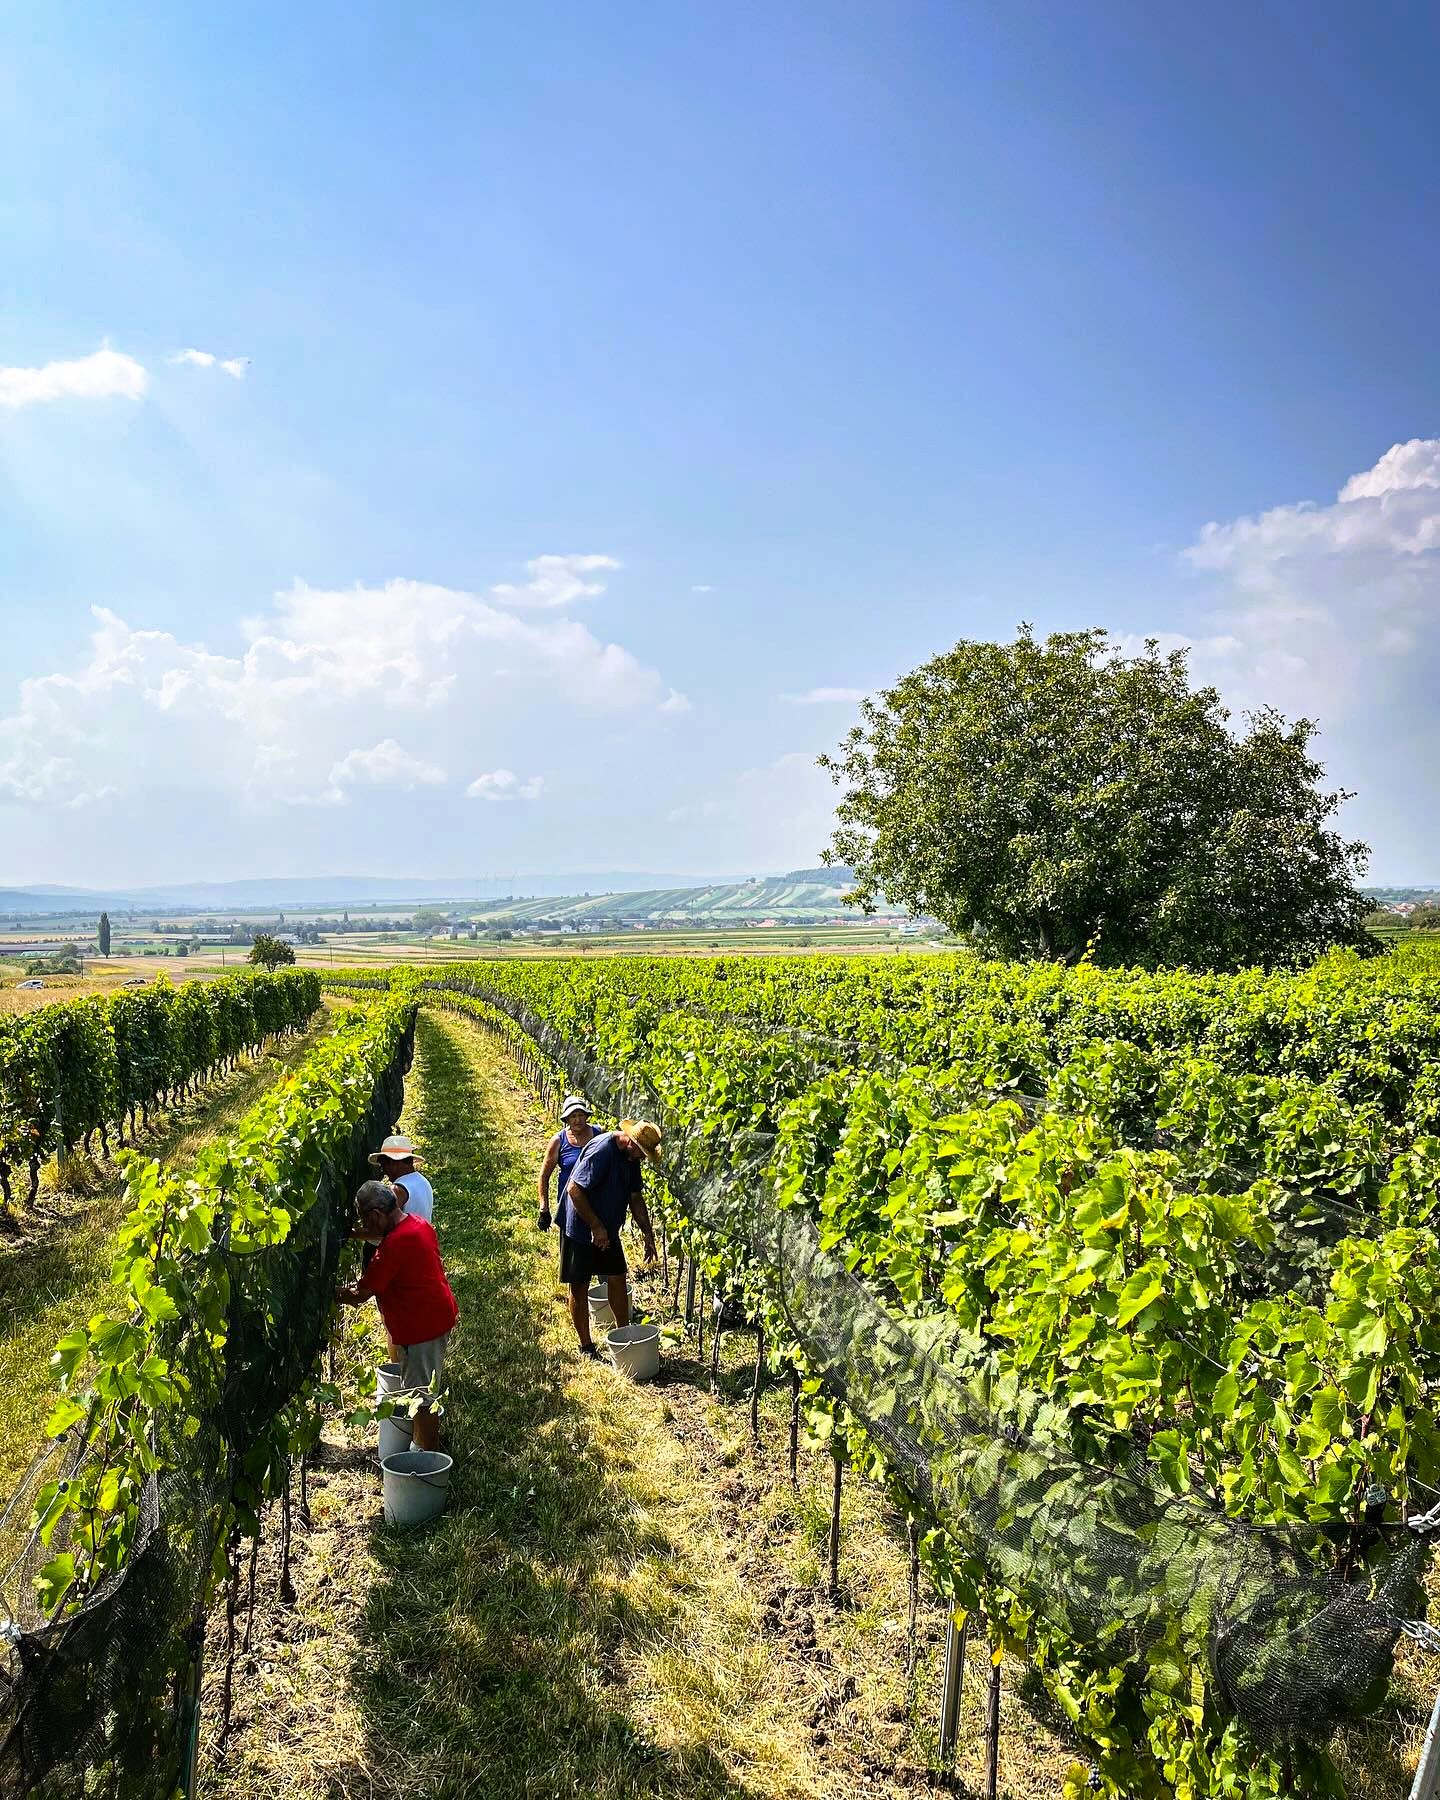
(296, 893)
(803, 897)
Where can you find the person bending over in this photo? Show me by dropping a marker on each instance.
(604, 1186)
(396, 1159)
(407, 1280)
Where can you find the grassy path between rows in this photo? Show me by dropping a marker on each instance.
(577, 1625)
(58, 1274)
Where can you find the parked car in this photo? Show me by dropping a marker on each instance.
(30, 984)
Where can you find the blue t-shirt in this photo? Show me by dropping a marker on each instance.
(610, 1179)
(569, 1154)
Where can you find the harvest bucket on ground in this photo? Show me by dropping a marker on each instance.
(395, 1434)
(635, 1350)
(601, 1317)
(414, 1484)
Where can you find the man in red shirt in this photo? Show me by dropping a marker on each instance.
(407, 1280)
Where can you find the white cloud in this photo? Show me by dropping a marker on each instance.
(494, 786)
(1332, 610)
(444, 673)
(1317, 601)
(1216, 648)
(101, 376)
(504, 784)
(206, 359)
(386, 764)
(1391, 511)
(826, 696)
(703, 587)
(556, 581)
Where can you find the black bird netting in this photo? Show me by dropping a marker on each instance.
(102, 1703)
(1295, 1643)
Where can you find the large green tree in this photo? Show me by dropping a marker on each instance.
(104, 934)
(1050, 797)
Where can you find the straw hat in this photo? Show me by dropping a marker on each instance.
(645, 1135)
(394, 1149)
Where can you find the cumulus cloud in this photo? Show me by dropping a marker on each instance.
(206, 359)
(275, 722)
(385, 764)
(102, 376)
(826, 696)
(1217, 648)
(557, 581)
(504, 784)
(1333, 610)
(1316, 600)
(703, 587)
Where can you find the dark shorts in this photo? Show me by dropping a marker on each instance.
(584, 1263)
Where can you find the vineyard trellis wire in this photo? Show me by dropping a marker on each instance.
(1295, 1640)
(100, 1699)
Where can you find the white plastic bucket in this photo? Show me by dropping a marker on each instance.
(396, 1433)
(601, 1317)
(414, 1484)
(387, 1379)
(635, 1350)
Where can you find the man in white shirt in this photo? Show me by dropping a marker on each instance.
(396, 1159)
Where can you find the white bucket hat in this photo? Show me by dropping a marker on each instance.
(572, 1103)
(394, 1149)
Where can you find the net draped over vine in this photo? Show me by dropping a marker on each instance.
(1125, 1568)
(101, 1702)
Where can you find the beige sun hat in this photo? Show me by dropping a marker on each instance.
(394, 1149)
(643, 1133)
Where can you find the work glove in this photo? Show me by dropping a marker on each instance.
(543, 1222)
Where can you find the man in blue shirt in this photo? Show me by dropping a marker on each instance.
(604, 1185)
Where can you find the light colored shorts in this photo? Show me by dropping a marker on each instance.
(420, 1364)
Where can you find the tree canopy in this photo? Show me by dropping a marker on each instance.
(1058, 797)
(269, 953)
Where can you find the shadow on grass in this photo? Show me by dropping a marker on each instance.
(496, 1640)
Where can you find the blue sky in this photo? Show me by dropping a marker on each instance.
(609, 378)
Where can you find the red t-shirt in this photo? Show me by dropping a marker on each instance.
(406, 1278)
